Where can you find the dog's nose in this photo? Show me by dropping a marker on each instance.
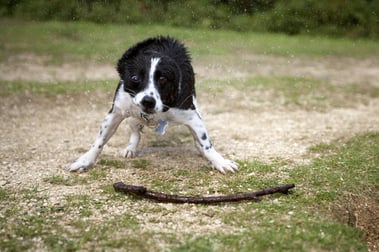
(148, 102)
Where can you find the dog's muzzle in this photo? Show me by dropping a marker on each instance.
(148, 104)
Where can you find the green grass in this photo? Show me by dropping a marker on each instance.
(294, 92)
(297, 222)
(57, 180)
(112, 163)
(290, 92)
(64, 42)
(352, 168)
(141, 163)
(309, 235)
(70, 180)
(50, 89)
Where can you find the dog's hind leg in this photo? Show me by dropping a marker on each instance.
(109, 126)
(136, 128)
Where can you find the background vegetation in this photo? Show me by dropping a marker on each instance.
(353, 18)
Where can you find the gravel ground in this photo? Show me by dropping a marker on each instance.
(41, 136)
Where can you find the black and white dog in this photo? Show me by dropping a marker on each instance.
(157, 86)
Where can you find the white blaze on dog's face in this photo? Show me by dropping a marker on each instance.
(153, 83)
(149, 99)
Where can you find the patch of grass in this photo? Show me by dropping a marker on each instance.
(296, 222)
(313, 235)
(82, 205)
(300, 216)
(67, 181)
(96, 174)
(19, 87)
(256, 176)
(352, 168)
(57, 180)
(309, 94)
(25, 228)
(141, 163)
(50, 229)
(5, 194)
(56, 242)
(65, 41)
(114, 163)
(322, 148)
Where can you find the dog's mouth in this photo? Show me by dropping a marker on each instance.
(145, 117)
(148, 111)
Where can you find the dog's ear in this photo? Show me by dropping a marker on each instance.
(130, 54)
(122, 66)
(122, 69)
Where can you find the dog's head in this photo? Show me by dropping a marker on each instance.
(152, 72)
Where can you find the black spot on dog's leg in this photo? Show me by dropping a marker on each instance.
(204, 136)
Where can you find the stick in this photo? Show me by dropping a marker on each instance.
(170, 198)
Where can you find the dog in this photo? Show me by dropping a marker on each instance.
(157, 86)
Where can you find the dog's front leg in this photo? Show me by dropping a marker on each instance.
(135, 136)
(203, 142)
(109, 126)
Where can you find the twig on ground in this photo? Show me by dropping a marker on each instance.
(170, 198)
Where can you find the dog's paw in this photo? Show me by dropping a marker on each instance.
(128, 152)
(225, 165)
(81, 165)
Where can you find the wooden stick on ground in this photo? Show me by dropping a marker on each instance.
(170, 198)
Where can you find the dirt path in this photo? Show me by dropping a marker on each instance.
(37, 132)
(42, 132)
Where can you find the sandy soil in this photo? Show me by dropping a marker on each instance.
(41, 136)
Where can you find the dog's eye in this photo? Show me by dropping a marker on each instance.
(162, 80)
(135, 79)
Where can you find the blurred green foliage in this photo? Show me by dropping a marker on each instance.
(353, 18)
